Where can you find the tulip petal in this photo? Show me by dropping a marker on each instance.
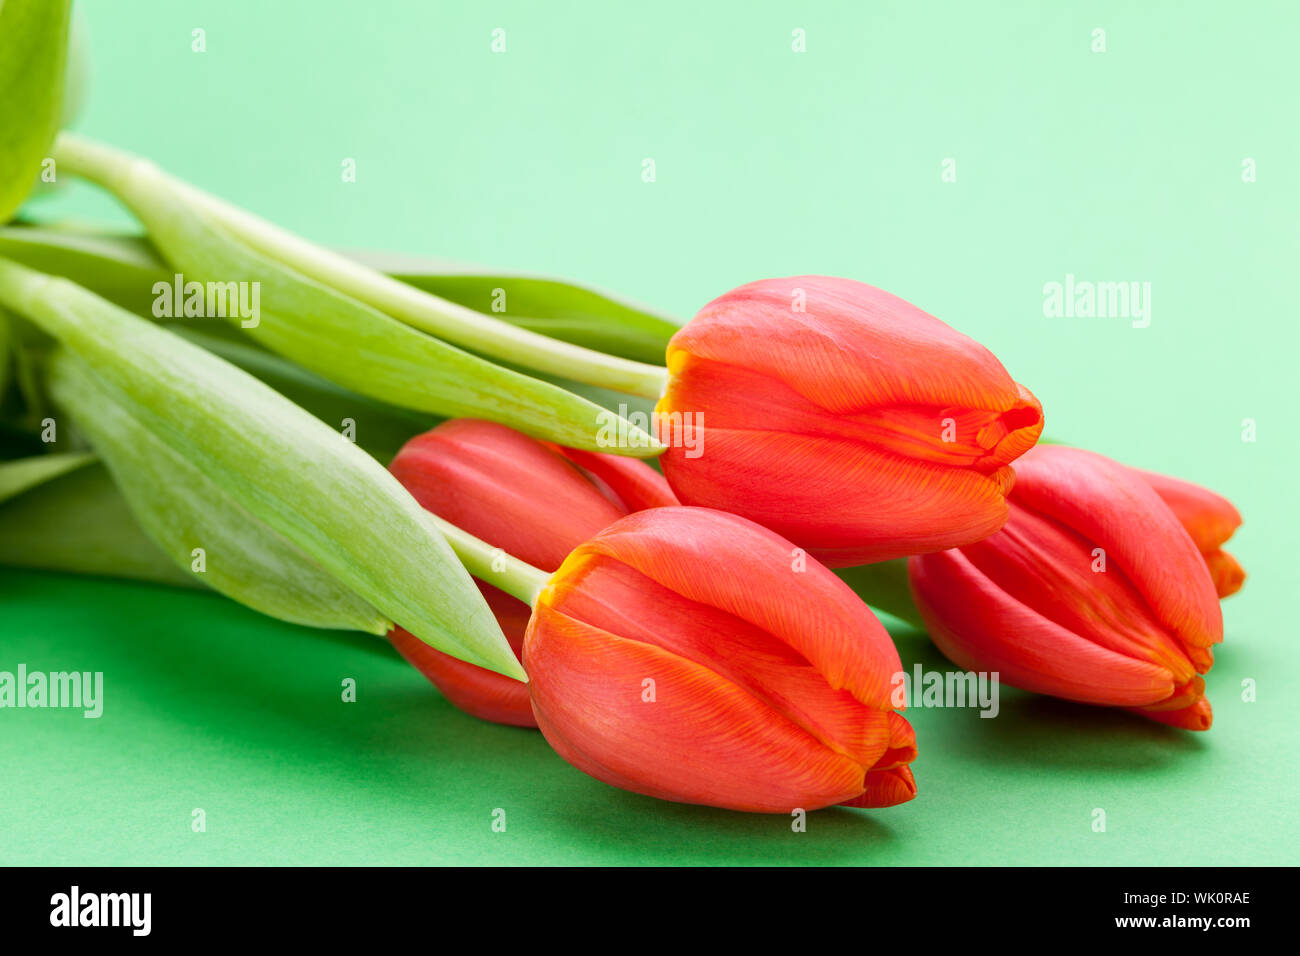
(1228, 575)
(698, 739)
(851, 347)
(1055, 572)
(1116, 510)
(902, 744)
(980, 627)
(492, 482)
(858, 505)
(609, 595)
(635, 484)
(857, 487)
(844, 418)
(1195, 716)
(885, 788)
(1209, 518)
(478, 692)
(739, 399)
(811, 610)
(532, 499)
(475, 690)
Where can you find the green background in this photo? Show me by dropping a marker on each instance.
(1115, 166)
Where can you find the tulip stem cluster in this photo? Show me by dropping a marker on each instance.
(125, 175)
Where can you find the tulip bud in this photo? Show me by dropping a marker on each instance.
(679, 654)
(843, 418)
(1210, 519)
(533, 500)
(1092, 591)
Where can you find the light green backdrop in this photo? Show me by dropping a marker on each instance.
(1125, 165)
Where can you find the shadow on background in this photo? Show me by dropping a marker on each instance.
(1046, 732)
(193, 678)
(1032, 730)
(266, 697)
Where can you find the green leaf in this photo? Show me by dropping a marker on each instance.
(377, 427)
(182, 509)
(78, 522)
(124, 268)
(287, 469)
(76, 74)
(6, 349)
(120, 268)
(24, 342)
(25, 473)
(333, 334)
(33, 49)
(562, 310)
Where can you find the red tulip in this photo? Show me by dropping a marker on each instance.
(843, 418)
(1092, 591)
(534, 501)
(1210, 519)
(680, 654)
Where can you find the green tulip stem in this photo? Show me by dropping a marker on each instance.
(492, 565)
(120, 173)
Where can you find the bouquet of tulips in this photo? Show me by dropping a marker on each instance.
(211, 404)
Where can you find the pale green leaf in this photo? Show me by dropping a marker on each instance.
(25, 473)
(289, 470)
(78, 522)
(33, 49)
(124, 268)
(182, 509)
(379, 428)
(120, 268)
(553, 307)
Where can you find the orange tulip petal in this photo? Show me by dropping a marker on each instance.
(698, 739)
(885, 788)
(844, 418)
(1209, 518)
(608, 595)
(981, 627)
(1116, 510)
(477, 691)
(1227, 573)
(902, 744)
(852, 346)
(1195, 716)
(504, 487)
(811, 610)
(636, 485)
(738, 399)
(530, 498)
(1054, 571)
(854, 504)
